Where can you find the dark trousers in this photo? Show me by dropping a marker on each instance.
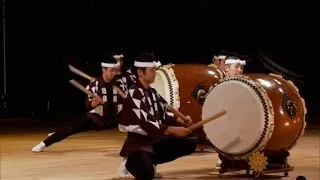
(80, 124)
(140, 163)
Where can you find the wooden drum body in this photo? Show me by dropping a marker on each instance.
(184, 86)
(264, 113)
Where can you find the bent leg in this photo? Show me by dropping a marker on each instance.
(169, 149)
(140, 165)
(78, 125)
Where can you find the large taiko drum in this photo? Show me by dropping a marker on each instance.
(264, 113)
(184, 86)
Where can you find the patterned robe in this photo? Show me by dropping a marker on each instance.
(144, 118)
(104, 114)
(125, 80)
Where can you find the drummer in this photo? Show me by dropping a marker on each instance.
(233, 66)
(149, 143)
(219, 60)
(218, 63)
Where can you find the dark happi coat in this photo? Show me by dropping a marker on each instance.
(107, 113)
(125, 80)
(144, 117)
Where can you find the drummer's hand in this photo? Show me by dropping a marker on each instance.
(188, 121)
(178, 131)
(96, 101)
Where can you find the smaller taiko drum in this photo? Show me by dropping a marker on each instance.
(184, 86)
(264, 113)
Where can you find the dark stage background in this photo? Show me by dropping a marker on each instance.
(42, 37)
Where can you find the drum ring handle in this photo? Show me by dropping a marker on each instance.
(199, 93)
(289, 105)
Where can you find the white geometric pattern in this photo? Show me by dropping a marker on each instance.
(132, 128)
(137, 111)
(141, 109)
(155, 106)
(144, 114)
(93, 89)
(151, 111)
(105, 99)
(131, 91)
(119, 109)
(149, 101)
(137, 102)
(124, 80)
(156, 124)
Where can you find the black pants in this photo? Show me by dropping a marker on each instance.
(80, 124)
(140, 163)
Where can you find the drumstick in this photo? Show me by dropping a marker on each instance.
(80, 87)
(120, 92)
(176, 112)
(80, 73)
(201, 123)
(98, 109)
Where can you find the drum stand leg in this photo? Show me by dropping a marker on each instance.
(229, 165)
(276, 163)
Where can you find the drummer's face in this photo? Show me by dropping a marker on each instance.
(234, 69)
(219, 63)
(149, 74)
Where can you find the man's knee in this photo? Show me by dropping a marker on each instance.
(192, 145)
(189, 146)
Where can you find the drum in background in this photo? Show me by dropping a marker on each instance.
(264, 113)
(184, 86)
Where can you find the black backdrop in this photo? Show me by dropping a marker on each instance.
(43, 37)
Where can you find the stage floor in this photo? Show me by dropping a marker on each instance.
(94, 156)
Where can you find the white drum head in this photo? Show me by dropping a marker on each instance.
(158, 84)
(244, 126)
(167, 85)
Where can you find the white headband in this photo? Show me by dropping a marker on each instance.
(220, 57)
(118, 56)
(111, 65)
(235, 61)
(147, 64)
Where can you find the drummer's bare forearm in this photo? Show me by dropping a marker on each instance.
(180, 122)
